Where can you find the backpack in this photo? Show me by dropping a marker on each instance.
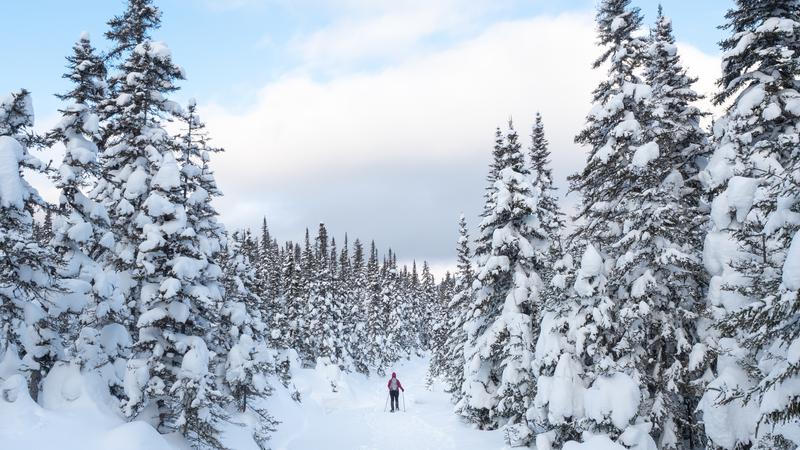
(393, 384)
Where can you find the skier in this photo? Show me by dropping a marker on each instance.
(394, 391)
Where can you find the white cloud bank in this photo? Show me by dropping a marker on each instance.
(435, 109)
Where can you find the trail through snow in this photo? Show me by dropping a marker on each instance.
(353, 417)
(339, 411)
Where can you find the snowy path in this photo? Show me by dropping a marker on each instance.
(353, 418)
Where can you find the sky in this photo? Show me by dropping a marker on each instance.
(376, 117)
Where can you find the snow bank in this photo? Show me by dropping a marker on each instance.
(71, 419)
(594, 443)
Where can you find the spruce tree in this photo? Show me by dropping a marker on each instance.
(499, 349)
(667, 213)
(359, 340)
(600, 333)
(753, 293)
(376, 318)
(82, 235)
(132, 27)
(457, 309)
(29, 339)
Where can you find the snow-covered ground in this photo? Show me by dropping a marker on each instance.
(354, 418)
(71, 416)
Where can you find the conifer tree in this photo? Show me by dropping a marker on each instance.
(28, 338)
(753, 173)
(360, 343)
(667, 213)
(377, 321)
(82, 235)
(499, 349)
(598, 338)
(133, 27)
(457, 309)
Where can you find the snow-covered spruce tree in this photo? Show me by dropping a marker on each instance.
(248, 365)
(233, 331)
(292, 300)
(457, 309)
(305, 346)
(132, 27)
(28, 339)
(172, 367)
(753, 292)
(498, 385)
(359, 342)
(600, 333)
(338, 303)
(377, 320)
(347, 293)
(398, 337)
(322, 316)
(82, 235)
(439, 331)
(548, 220)
(167, 258)
(426, 301)
(660, 258)
(268, 267)
(559, 393)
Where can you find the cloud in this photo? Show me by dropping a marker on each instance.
(379, 31)
(397, 153)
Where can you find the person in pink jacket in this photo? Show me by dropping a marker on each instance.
(394, 391)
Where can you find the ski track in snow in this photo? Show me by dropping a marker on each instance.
(354, 419)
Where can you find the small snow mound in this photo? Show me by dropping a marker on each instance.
(594, 443)
(134, 436)
(15, 390)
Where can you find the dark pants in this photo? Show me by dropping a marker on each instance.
(394, 395)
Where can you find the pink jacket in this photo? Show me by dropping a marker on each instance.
(399, 386)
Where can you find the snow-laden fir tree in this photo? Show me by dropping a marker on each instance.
(28, 338)
(269, 270)
(600, 334)
(82, 235)
(322, 315)
(457, 309)
(181, 303)
(292, 301)
(660, 256)
(132, 27)
(166, 245)
(248, 363)
(753, 248)
(358, 339)
(398, 337)
(232, 332)
(337, 316)
(305, 345)
(347, 293)
(376, 318)
(498, 385)
(439, 330)
(426, 301)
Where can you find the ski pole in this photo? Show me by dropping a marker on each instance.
(404, 401)
(386, 403)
